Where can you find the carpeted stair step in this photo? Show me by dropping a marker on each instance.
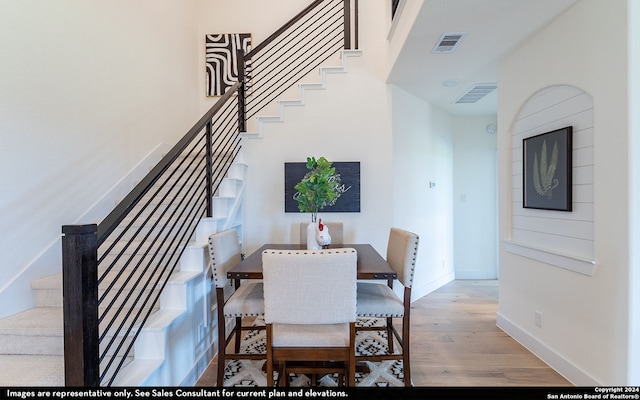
(31, 370)
(40, 331)
(37, 331)
(48, 290)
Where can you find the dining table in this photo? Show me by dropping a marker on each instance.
(370, 264)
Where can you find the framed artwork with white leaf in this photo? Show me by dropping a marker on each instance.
(547, 170)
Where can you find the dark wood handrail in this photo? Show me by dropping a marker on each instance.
(116, 216)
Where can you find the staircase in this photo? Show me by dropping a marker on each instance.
(180, 331)
(31, 342)
(296, 96)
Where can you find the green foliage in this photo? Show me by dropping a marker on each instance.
(319, 188)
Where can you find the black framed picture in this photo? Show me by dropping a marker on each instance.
(547, 170)
(349, 174)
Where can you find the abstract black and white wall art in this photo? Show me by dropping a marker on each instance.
(221, 60)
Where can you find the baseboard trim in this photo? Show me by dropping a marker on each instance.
(476, 275)
(418, 292)
(564, 367)
(200, 366)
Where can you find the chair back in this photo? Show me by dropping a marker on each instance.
(309, 287)
(335, 230)
(402, 251)
(225, 252)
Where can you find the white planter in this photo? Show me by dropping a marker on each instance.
(312, 244)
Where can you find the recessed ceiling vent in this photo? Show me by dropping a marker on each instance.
(448, 42)
(476, 93)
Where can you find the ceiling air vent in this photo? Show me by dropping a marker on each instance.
(448, 42)
(476, 93)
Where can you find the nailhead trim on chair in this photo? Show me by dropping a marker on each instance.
(323, 251)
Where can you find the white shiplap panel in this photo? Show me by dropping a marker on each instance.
(581, 212)
(585, 266)
(580, 122)
(559, 244)
(517, 166)
(516, 153)
(516, 181)
(583, 175)
(559, 115)
(582, 157)
(547, 96)
(583, 194)
(557, 227)
(549, 231)
(583, 138)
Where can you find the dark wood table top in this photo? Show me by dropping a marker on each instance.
(371, 265)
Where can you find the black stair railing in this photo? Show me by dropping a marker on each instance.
(299, 47)
(115, 271)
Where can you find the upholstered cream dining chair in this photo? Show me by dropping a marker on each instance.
(310, 311)
(380, 301)
(245, 300)
(335, 230)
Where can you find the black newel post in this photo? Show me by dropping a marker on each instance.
(80, 304)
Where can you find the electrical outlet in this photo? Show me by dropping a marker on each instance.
(539, 319)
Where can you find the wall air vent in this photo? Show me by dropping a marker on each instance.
(476, 93)
(448, 42)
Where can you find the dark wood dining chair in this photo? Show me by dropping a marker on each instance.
(310, 312)
(380, 301)
(233, 301)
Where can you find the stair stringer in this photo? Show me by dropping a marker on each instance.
(178, 341)
(184, 332)
(302, 88)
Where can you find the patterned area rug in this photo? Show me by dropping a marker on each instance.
(381, 374)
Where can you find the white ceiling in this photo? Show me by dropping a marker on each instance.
(493, 28)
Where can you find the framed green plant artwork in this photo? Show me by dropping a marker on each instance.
(547, 170)
(321, 185)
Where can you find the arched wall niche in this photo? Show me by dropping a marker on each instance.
(560, 238)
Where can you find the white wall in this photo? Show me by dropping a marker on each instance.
(423, 153)
(352, 120)
(585, 331)
(564, 239)
(348, 121)
(87, 90)
(475, 198)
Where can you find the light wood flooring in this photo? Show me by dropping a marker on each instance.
(455, 342)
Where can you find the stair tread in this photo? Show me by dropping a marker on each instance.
(48, 282)
(37, 321)
(55, 281)
(31, 370)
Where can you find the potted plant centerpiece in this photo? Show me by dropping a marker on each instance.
(319, 188)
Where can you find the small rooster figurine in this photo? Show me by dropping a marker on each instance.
(322, 235)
